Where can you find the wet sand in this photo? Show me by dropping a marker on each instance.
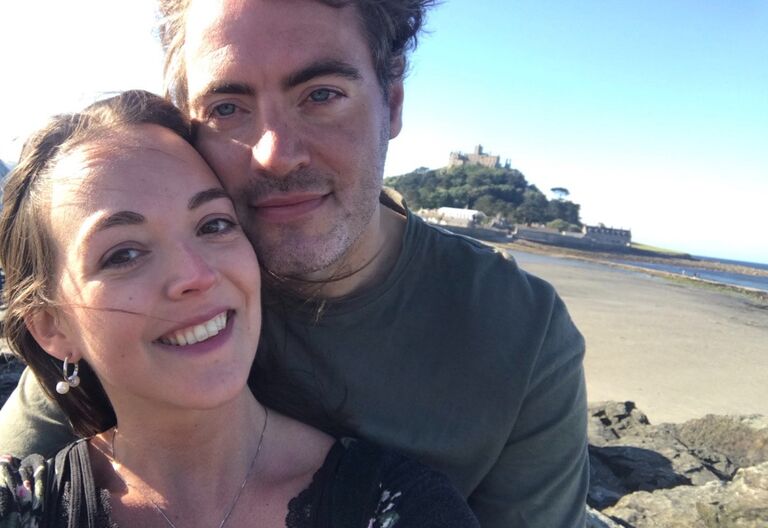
(679, 351)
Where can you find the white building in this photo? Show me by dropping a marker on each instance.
(459, 217)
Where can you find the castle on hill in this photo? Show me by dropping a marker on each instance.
(478, 157)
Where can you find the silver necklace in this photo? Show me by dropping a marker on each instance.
(234, 500)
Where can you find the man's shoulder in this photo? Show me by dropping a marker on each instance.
(458, 261)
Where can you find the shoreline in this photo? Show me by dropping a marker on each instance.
(607, 259)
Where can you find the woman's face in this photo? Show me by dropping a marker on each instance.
(157, 285)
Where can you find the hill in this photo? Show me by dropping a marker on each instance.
(503, 193)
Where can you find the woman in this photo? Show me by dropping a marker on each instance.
(134, 296)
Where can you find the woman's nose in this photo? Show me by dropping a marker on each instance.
(191, 273)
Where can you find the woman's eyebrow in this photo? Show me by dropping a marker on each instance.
(122, 218)
(206, 196)
(117, 219)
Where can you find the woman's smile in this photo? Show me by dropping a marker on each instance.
(196, 333)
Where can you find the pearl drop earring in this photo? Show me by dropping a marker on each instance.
(63, 387)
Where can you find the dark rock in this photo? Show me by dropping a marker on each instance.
(605, 488)
(10, 370)
(633, 469)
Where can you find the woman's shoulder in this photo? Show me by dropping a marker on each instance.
(22, 490)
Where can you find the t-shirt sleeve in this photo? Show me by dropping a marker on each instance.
(414, 496)
(542, 475)
(31, 423)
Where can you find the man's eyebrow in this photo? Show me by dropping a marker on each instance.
(206, 196)
(321, 68)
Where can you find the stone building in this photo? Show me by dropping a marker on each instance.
(478, 157)
(591, 237)
(607, 235)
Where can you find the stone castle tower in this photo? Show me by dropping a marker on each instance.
(478, 157)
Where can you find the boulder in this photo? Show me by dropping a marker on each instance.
(743, 439)
(609, 421)
(742, 502)
(628, 454)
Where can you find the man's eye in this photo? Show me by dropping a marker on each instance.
(322, 95)
(224, 109)
(122, 257)
(216, 226)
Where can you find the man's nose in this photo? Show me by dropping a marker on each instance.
(279, 150)
(192, 274)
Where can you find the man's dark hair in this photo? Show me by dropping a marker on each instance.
(391, 28)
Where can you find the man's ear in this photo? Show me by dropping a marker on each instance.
(49, 332)
(395, 101)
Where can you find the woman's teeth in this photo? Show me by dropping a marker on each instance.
(197, 333)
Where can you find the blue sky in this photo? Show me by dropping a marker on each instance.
(653, 114)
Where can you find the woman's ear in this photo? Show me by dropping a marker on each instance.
(50, 333)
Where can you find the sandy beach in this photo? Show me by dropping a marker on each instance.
(679, 351)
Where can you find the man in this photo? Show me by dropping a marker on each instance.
(421, 340)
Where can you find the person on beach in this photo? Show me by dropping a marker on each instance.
(399, 332)
(134, 296)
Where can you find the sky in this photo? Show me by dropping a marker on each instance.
(654, 114)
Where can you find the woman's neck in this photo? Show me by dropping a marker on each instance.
(177, 451)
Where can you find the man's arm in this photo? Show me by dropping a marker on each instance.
(31, 423)
(542, 475)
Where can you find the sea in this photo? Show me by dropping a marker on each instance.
(724, 277)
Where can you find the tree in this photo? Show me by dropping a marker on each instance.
(533, 210)
(561, 193)
(564, 210)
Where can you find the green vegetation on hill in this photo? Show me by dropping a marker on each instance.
(498, 192)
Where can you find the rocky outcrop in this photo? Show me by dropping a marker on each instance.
(710, 472)
(740, 502)
(10, 370)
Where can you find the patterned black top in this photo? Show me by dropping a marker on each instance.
(358, 486)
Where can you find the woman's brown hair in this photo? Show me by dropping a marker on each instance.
(27, 252)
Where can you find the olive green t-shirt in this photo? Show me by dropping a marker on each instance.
(459, 359)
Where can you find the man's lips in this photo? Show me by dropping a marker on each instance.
(288, 207)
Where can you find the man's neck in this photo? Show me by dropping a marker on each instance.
(367, 263)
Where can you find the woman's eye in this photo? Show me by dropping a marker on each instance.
(224, 110)
(322, 95)
(216, 226)
(122, 257)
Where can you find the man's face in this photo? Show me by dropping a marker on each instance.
(294, 122)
